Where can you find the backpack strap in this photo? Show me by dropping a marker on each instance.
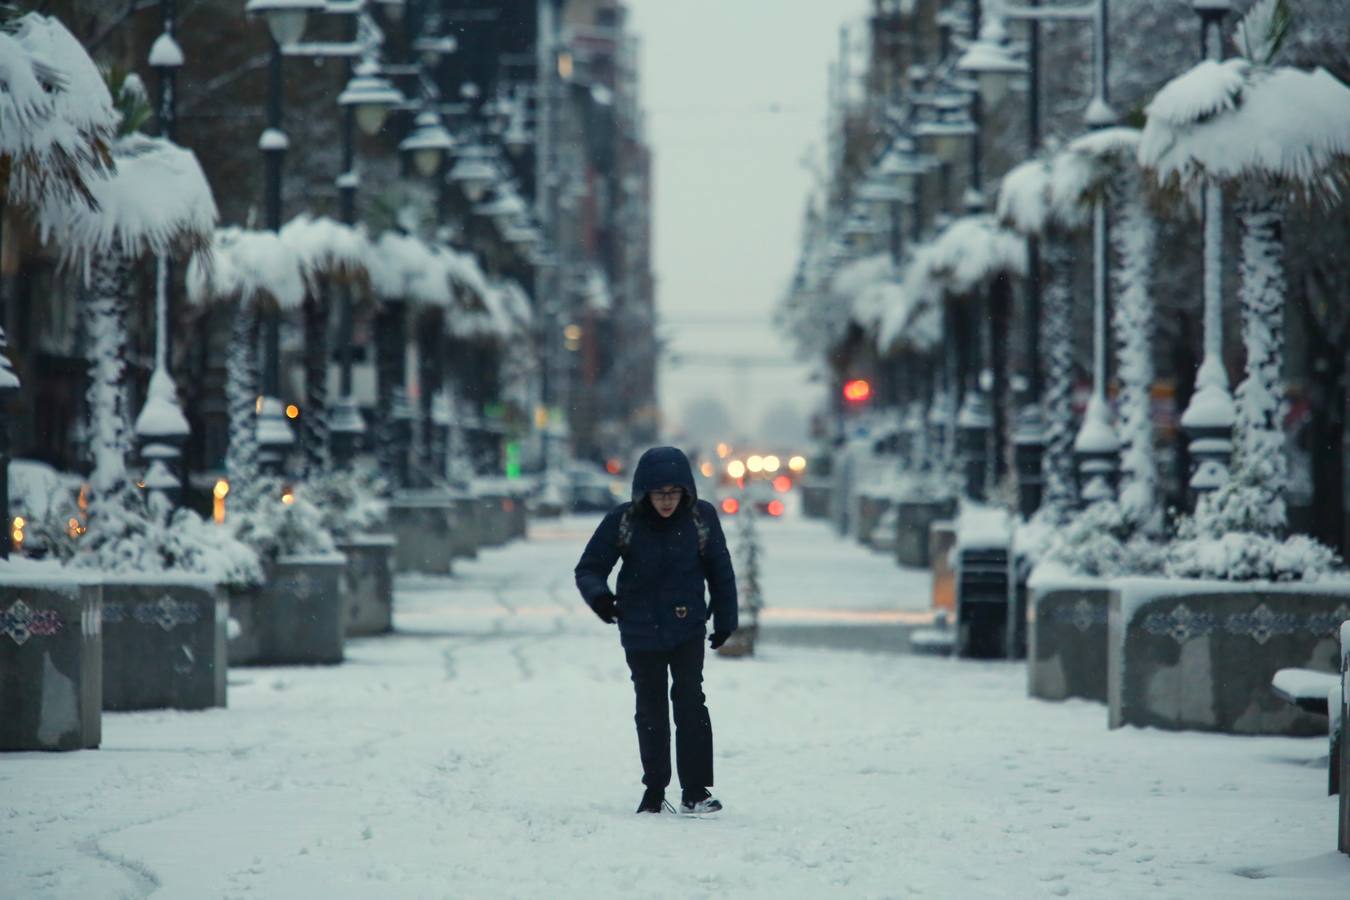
(702, 528)
(625, 529)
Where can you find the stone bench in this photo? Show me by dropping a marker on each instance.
(164, 643)
(1066, 637)
(1313, 691)
(1200, 655)
(297, 617)
(51, 660)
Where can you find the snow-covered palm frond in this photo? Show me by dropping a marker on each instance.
(57, 121)
(1024, 197)
(247, 266)
(1210, 88)
(468, 276)
(912, 318)
(1261, 32)
(405, 268)
(328, 249)
(1286, 128)
(156, 201)
(974, 250)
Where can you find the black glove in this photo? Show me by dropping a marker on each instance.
(606, 607)
(718, 638)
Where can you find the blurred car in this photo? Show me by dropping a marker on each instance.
(592, 489)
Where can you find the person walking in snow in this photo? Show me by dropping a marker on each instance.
(671, 544)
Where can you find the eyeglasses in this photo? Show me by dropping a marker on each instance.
(666, 495)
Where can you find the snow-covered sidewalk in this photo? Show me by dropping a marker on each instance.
(487, 750)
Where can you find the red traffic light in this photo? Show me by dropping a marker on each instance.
(730, 506)
(857, 390)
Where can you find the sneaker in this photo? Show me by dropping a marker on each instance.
(654, 801)
(699, 802)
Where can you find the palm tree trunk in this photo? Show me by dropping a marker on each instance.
(1260, 396)
(1057, 340)
(314, 424)
(1134, 237)
(241, 389)
(109, 409)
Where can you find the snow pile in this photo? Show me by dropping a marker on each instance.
(156, 199)
(57, 120)
(247, 266)
(323, 247)
(1232, 120)
(161, 417)
(982, 526)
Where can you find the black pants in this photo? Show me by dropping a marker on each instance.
(693, 728)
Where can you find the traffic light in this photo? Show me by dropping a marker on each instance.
(857, 391)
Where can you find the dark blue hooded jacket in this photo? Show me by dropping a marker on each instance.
(660, 587)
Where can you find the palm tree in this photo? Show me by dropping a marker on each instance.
(1275, 135)
(57, 121)
(248, 269)
(154, 201)
(1024, 204)
(330, 255)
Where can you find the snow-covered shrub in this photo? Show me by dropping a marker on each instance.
(276, 522)
(1105, 540)
(1235, 535)
(353, 501)
(140, 531)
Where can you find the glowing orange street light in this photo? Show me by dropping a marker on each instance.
(730, 505)
(782, 484)
(776, 507)
(857, 391)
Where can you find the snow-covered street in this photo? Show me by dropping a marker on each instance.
(487, 750)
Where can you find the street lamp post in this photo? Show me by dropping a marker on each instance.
(1097, 444)
(161, 425)
(1210, 414)
(285, 24)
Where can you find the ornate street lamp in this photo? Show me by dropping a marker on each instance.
(473, 172)
(1210, 414)
(285, 18)
(370, 95)
(429, 143)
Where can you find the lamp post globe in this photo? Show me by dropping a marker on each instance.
(473, 173)
(285, 18)
(428, 144)
(371, 96)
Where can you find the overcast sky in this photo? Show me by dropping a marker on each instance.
(735, 93)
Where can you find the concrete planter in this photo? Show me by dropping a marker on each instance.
(870, 509)
(464, 532)
(370, 584)
(941, 540)
(815, 499)
(297, 617)
(51, 664)
(913, 519)
(164, 644)
(1066, 654)
(423, 523)
(494, 520)
(1200, 656)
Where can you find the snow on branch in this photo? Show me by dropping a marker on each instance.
(155, 201)
(1233, 121)
(975, 249)
(247, 266)
(57, 120)
(325, 248)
